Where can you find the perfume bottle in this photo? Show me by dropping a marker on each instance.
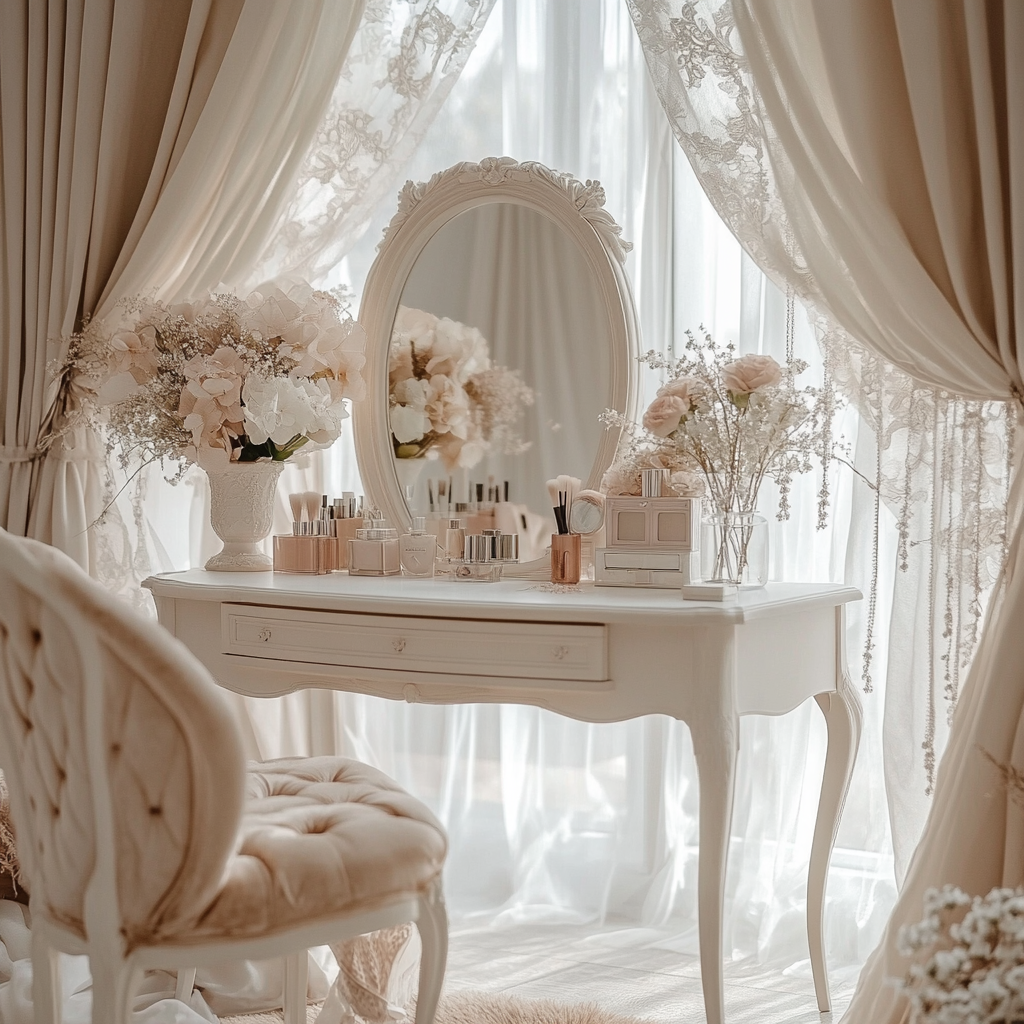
(418, 549)
(374, 551)
(455, 540)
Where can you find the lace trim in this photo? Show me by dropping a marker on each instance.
(934, 450)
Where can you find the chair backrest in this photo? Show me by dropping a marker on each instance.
(124, 761)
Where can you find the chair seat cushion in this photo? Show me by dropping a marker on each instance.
(322, 836)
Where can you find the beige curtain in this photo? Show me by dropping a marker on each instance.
(895, 130)
(143, 147)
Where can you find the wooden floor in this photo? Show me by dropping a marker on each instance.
(632, 972)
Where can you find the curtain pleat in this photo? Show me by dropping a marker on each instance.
(144, 147)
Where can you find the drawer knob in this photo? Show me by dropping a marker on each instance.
(264, 634)
(561, 653)
(399, 644)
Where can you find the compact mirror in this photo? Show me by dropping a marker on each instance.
(490, 267)
(587, 515)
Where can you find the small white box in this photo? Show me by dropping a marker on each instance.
(645, 567)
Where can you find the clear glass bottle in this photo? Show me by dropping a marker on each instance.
(418, 549)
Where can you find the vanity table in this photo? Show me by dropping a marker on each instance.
(594, 654)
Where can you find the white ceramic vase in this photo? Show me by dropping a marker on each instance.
(242, 514)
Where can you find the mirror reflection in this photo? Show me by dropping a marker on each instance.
(500, 362)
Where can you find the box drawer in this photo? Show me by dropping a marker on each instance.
(528, 650)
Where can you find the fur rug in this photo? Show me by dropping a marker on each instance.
(485, 1008)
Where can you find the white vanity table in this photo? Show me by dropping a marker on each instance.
(596, 654)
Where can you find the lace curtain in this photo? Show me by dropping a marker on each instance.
(942, 462)
(401, 65)
(556, 820)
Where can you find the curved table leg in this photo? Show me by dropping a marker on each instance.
(715, 751)
(843, 719)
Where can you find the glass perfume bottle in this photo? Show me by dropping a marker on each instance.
(418, 549)
(374, 550)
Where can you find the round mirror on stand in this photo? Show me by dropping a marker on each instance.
(500, 324)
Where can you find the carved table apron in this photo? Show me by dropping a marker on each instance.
(598, 654)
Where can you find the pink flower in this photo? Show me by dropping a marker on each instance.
(749, 373)
(664, 414)
(688, 389)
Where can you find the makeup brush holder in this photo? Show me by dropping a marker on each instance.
(566, 558)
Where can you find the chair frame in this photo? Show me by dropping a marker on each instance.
(117, 970)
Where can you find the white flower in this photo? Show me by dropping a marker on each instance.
(281, 409)
(409, 423)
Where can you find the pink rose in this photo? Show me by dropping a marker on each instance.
(749, 373)
(686, 388)
(664, 413)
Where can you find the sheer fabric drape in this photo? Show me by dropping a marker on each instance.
(129, 136)
(555, 820)
(887, 140)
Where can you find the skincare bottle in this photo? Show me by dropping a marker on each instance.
(418, 549)
(374, 551)
(348, 518)
(455, 540)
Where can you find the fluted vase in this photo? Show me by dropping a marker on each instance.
(242, 514)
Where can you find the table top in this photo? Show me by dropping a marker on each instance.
(524, 600)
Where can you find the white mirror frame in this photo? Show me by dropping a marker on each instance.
(423, 209)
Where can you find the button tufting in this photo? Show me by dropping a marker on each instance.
(156, 811)
(36, 636)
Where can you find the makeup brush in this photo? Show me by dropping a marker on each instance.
(311, 504)
(295, 501)
(570, 487)
(430, 494)
(558, 504)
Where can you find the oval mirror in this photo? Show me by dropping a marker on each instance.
(500, 325)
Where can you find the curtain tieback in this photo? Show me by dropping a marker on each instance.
(15, 453)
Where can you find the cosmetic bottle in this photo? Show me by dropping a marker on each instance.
(347, 518)
(566, 558)
(455, 540)
(374, 551)
(418, 549)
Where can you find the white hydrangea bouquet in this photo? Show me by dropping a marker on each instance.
(728, 423)
(446, 399)
(976, 975)
(220, 379)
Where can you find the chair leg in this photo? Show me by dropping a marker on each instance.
(113, 985)
(47, 997)
(296, 971)
(433, 927)
(185, 984)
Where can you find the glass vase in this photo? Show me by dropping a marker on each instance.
(734, 549)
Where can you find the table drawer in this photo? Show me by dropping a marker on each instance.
(528, 650)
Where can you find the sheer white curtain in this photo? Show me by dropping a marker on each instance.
(554, 820)
(371, 114)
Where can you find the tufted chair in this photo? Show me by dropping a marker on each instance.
(145, 841)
